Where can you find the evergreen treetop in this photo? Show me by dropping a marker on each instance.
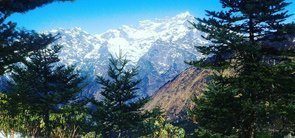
(120, 110)
(244, 25)
(41, 86)
(251, 91)
(15, 43)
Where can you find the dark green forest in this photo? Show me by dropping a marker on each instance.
(251, 93)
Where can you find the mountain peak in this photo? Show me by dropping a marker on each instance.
(77, 29)
(184, 15)
(158, 47)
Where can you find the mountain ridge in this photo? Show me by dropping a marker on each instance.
(175, 97)
(158, 47)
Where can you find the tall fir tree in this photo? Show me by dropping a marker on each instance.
(14, 43)
(40, 87)
(252, 53)
(119, 112)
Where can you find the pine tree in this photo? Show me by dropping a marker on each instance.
(41, 86)
(14, 43)
(119, 112)
(252, 90)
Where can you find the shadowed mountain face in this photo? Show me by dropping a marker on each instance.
(175, 96)
(158, 47)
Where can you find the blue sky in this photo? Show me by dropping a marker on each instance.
(96, 16)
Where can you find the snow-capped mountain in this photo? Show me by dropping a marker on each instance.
(158, 47)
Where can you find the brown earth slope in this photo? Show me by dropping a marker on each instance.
(175, 96)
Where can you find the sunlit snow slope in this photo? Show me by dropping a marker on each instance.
(158, 47)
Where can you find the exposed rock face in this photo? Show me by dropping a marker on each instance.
(175, 96)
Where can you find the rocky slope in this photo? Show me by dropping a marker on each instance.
(175, 96)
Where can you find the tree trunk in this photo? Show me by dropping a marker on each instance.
(248, 133)
(251, 29)
(119, 134)
(47, 126)
(74, 131)
(35, 131)
(12, 133)
(249, 130)
(95, 134)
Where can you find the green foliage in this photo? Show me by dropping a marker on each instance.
(70, 121)
(39, 87)
(119, 111)
(92, 135)
(15, 44)
(252, 53)
(156, 126)
(211, 105)
(203, 133)
(4, 123)
(20, 6)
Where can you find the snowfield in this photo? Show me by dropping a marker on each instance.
(158, 47)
